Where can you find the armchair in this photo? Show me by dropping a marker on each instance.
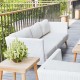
(55, 69)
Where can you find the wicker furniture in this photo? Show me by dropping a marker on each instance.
(42, 38)
(55, 69)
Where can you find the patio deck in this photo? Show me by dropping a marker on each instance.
(74, 35)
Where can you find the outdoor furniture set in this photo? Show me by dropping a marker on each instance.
(42, 38)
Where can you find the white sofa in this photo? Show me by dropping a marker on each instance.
(42, 38)
(56, 69)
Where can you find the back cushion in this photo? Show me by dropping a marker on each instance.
(36, 30)
(24, 33)
(45, 26)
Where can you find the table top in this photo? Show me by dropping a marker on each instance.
(64, 15)
(76, 48)
(23, 66)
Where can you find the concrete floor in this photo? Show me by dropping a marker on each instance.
(74, 35)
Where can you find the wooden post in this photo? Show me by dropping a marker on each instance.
(36, 3)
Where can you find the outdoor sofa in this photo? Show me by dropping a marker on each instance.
(42, 38)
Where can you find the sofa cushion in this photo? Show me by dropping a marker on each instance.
(45, 26)
(52, 41)
(36, 30)
(24, 33)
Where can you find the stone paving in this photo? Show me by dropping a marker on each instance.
(74, 36)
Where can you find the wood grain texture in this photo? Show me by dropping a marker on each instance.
(14, 75)
(1, 74)
(76, 48)
(75, 56)
(21, 67)
(35, 69)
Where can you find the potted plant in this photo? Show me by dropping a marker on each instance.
(16, 52)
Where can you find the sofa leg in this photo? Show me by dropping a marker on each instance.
(66, 44)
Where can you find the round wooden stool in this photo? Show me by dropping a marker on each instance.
(65, 18)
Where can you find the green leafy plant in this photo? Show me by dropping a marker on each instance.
(63, 7)
(17, 51)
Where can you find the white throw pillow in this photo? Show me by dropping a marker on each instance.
(24, 33)
(36, 30)
(45, 26)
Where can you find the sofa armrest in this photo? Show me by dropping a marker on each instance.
(56, 55)
(59, 70)
(58, 27)
(35, 46)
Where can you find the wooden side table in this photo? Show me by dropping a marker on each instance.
(65, 18)
(21, 67)
(76, 50)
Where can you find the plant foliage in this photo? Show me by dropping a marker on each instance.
(17, 51)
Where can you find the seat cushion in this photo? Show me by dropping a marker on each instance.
(52, 41)
(45, 26)
(24, 33)
(36, 30)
